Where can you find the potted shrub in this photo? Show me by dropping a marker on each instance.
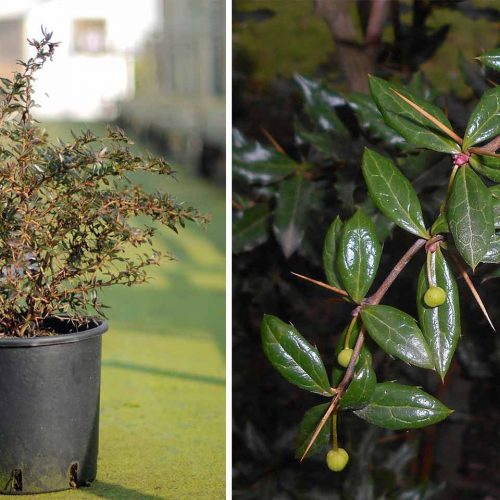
(69, 216)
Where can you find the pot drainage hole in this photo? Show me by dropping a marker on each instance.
(73, 475)
(17, 480)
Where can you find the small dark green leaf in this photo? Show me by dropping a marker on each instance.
(484, 122)
(254, 162)
(413, 126)
(396, 407)
(440, 224)
(440, 325)
(393, 193)
(322, 141)
(491, 59)
(306, 430)
(470, 216)
(489, 166)
(371, 121)
(493, 254)
(330, 250)
(320, 102)
(297, 360)
(359, 255)
(398, 334)
(292, 212)
(250, 228)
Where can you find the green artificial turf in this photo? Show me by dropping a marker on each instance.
(162, 432)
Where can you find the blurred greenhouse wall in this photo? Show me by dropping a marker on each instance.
(157, 67)
(180, 98)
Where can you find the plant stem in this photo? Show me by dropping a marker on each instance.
(429, 273)
(349, 373)
(335, 442)
(396, 270)
(341, 388)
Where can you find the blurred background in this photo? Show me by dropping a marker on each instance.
(302, 117)
(157, 66)
(157, 69)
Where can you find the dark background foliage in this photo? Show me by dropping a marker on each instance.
(459, 457)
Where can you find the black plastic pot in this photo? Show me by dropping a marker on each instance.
(49, 410)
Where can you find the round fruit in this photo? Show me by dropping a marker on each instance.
(344, 357)
(434, 296)
(337, 459)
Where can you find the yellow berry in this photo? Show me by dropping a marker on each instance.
(337, 459)
(434, 296)
(344, 357)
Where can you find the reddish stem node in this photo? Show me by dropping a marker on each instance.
(461, 159)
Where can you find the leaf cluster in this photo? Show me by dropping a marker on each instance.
(464, 232)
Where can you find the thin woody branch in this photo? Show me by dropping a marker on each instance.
(391, 277)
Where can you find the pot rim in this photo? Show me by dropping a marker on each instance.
(62, 338)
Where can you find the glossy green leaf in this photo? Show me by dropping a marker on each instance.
(296, 360)
(489, 166)
(398, 334)
(493, 254)
(250, 228)
(491, 59)
(291, 213)
(440, 325)
(306, 430)
(440, 224)
(359, 255)
(470, 216)
(323, 142)
(495, 195)
(413, 126)
(496, 213)
(255, 163)
(393, 193)
(396, 407)
(330, 250)
(320, 102)
(484, 121)
(495, 191)
(372, 122)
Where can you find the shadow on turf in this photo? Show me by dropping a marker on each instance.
(102, 489)
(166, 373)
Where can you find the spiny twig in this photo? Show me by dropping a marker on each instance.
(472, 288)
(431, 118)
(349, 373)
(324, 285)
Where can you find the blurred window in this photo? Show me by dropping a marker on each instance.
(89, 36)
